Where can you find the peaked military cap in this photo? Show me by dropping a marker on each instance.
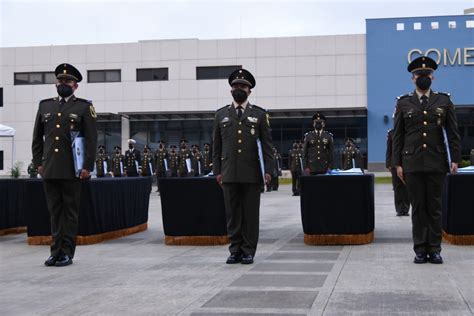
(173, 146)
(242, 76)
(101, 146)
(161, 142)
(350, 139)
(183, 141)
(117, 147)
(422, 63)
(131, 141)
(319, 116)
(207, 144)
(67, 71)
(146, 147)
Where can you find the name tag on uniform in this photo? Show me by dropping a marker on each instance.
(325, 140)
(73, 116)
(252, 119)
(225, 120)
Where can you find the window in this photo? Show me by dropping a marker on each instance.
(451, 24)
(417, 26)
(152, 74)
(400, 26)
(25, 78)
(112, 75)
(215, 72)
(1, 97)
(434, 25)
(470, 24)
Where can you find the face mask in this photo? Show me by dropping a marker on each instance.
(318, 125)
(423, 82)
(130, 146)
(101, 151)
(64, 90)
(117, 151)
(239, 95)
(295, 146)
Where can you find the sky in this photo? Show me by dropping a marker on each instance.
(46, 22)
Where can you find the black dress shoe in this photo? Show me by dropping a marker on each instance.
(63, 260)
(247, 259)
(399, 213)
(51, 261)
(421, 258)
(436, 258)
(234, 258)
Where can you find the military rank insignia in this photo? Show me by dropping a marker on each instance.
(268, 119)
(92, 111)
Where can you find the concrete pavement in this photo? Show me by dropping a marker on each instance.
(140, 275)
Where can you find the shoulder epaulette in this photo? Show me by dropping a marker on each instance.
(84, 100)
(258, 107)
(329, 133)
(389, 130)
(222, 107)
(442, 93)
(49, 99)
(404, 95)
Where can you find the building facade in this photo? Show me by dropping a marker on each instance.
(169, 89)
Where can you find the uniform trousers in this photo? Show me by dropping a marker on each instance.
(242, 204)
(63, 199)
(425, 192)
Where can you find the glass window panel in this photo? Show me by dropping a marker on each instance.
(49, 77)
(36, 78)
(112, 76)
(96, 76)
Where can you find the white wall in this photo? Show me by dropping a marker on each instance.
(291, 72)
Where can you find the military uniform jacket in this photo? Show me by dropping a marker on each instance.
(173, 161)
(99, 164)
(418, 144)
(349, 156)
(184, 154)
(196, 162)
(51, 144)
(235, 151)
(318, 151)
(130, 158)
(117, 164)
(160, 156)
(206, 161)
(388, 152)
(295, 160)
(147, 164)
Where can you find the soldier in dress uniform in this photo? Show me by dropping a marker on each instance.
(318, 150)
(274, 184)
(206, 159)
(117, 162)
(147, 162)
(295, 162)
(132, 160)
(32, 171)
(161, 162)
(350, 155)
(238, 128)
(173, 162)
(196, 165)
(102, 161)
(422, 119)
(58, 121)
(184, 154)
(400, 193)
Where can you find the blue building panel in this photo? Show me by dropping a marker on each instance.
(447, 39)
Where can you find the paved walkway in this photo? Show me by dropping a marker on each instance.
(140, 275)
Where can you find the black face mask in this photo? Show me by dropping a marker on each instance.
(423, 82)
(318, 126)
(295, 146)
(130, 146)
(64, 90)
(239, 95)
(117, 151)
(101, 151)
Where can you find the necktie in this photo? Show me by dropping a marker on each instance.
(62, 101)
(239, 112)
(424, 101)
